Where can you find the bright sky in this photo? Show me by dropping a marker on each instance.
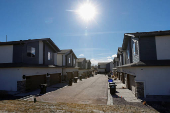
(96, 39)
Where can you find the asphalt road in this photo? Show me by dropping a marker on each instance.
(92, 90)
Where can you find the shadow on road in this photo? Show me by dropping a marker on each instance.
(8, 95)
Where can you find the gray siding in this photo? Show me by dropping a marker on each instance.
(73, 61)
(46, 50)
(20, 53)
(108, 67)
(147, 48)
(31, 60)
(17, 53)
(89, 65)
(67, 58)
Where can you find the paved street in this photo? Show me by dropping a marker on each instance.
(92, 90)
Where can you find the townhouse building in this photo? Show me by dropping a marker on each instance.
(67, 60)
(83, 65)
(105, 67)
(144, 63)
(26, 64)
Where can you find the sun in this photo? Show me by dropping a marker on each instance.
(87, 11)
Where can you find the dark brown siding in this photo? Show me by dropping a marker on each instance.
(33, 82)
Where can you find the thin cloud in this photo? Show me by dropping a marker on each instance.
(108, 57)
(96, 61)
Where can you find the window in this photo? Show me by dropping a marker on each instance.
(69, 60)
(135, 47)
(30, 51)
(49, 55)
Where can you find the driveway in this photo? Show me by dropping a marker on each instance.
(88, 91)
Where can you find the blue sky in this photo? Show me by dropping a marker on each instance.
(98, 39)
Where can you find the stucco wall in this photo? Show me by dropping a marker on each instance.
(162, 47)
(9, 78)
(103, 66)
(155, 78)
(6, 54)
(69, 70)
(101, 70)
(40, 71)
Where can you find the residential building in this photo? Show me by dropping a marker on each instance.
(67, 59)
(26, 64)
(144, 63)
(105, 67)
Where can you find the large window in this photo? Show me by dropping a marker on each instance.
(135, 47)
(30, 51)
(49, 55)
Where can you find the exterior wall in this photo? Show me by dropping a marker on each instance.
(89, 65)
(103, 66)
(63, 60)
(40, 52)
(17, 53)
(155, 78)
(108, 67)
(147, 48)
(74, 63)
(111, 66)
(69, 70)
(124, 57)
(55, 58)
(71, 61)
(84, 64)
(26, 59)
(46, 50)
(162, 47)
(6, 54)
(40, 71)
(101, 70)
(59, 59)
(81, 71)
(9, 78)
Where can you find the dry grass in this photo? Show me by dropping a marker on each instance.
(26, 106)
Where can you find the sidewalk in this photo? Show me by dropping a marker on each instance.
(124, 93)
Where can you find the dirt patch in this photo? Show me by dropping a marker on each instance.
(26, 106)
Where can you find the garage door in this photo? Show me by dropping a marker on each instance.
(33, 82)
(55, 78)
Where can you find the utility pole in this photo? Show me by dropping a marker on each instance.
(6, 38)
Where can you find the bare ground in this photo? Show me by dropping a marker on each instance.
(27, 106)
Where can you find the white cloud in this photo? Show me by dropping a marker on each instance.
(108, 57)
(81, 55)
(115, 55)
(95, 61)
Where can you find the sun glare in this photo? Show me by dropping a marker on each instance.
(87, 11)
